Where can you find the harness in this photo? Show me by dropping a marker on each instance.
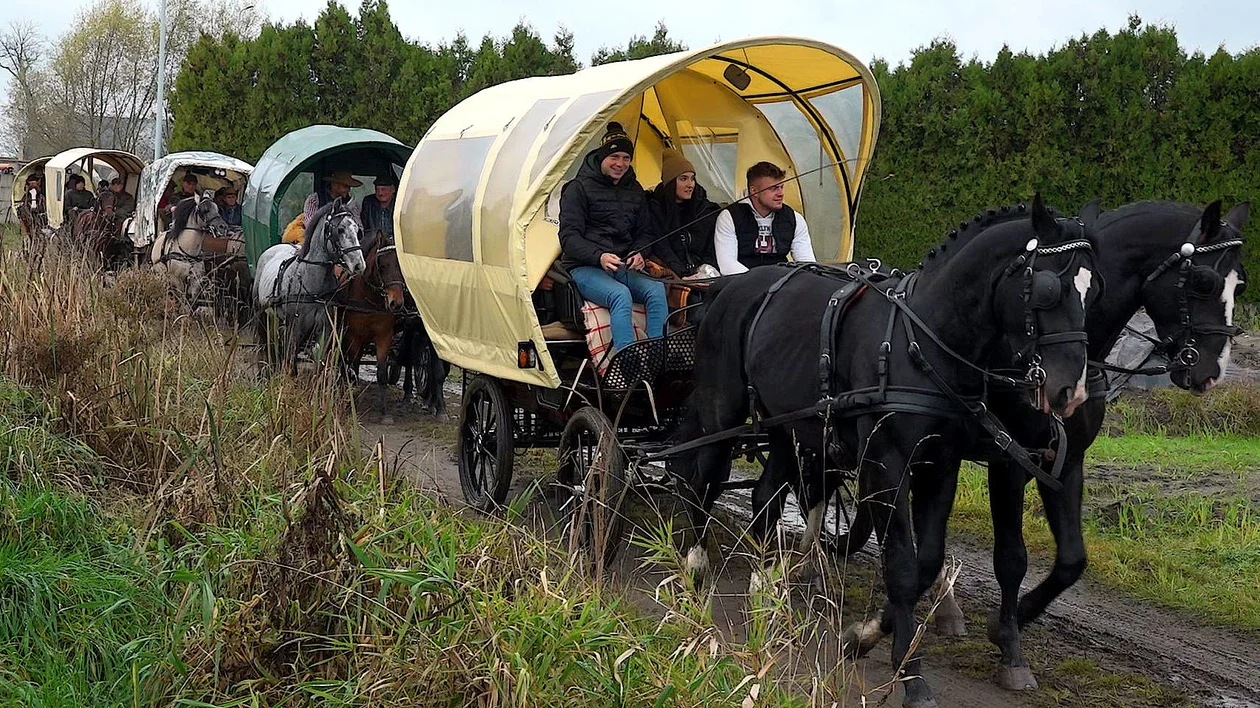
(379, 288)
(941, 401)
(1181, 347)
(340, 254)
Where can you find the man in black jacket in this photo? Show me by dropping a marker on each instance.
(603, 218)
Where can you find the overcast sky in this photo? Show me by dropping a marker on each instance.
(885, 28)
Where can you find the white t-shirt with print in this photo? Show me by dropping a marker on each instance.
(727, 246)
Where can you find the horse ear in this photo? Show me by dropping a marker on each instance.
(1210, 224)
(1089, 213)
(1043, 223)
(1237, 216)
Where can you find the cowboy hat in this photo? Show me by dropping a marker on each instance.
(343, 177)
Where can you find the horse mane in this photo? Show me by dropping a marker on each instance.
(957, 238)
(320, 215)
(183, 211)
(1145, 206)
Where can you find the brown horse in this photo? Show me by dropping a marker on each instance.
(99, 231)
(366, 311)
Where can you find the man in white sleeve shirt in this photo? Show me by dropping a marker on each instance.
(761, 229)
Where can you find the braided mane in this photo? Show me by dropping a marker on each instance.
(957, 238)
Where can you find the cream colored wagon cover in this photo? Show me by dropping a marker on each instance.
(55, 175)
(477, 211)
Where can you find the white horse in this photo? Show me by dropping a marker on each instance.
(179, 252)
(293, 284)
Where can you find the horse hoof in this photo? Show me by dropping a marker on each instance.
(860, 638)
(1016, 678)
(951, 626)
(925, 703)
(387, 420)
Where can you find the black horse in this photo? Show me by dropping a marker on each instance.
(1188, 291)
(1012, 279)
(1189, 294)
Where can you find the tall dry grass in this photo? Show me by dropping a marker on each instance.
(179, 529)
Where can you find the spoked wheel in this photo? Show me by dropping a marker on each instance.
(853, 521)
(593, 471)
(485, 445)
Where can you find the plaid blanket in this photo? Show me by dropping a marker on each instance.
(599, 330)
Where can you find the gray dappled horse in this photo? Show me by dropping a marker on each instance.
(294, 283)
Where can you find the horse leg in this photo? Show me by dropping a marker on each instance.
(885, 482)
(933, 498)
(1010, 564)
(1063, 512)
(769, 497)
(700, 474)
(407, 360)
(384, 338)
(950, 620)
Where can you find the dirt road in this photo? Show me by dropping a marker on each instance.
(1212, 666)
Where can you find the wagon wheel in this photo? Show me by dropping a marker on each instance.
(853, 520)
(486, 450)
(593, 470)
(394, 367)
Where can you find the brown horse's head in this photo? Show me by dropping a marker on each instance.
(383, 275)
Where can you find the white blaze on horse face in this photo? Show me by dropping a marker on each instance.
(1082, 282)
(1232, 282)
(698, 561)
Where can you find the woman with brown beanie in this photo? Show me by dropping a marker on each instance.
(679, 207)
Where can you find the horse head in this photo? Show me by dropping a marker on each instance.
(207, 216)
(1196, 288)
(342, 237)
(1040, 300)
(383, 273)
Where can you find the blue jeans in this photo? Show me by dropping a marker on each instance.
(618, 291)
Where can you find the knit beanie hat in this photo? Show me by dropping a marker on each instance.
(615, 140)
(673, 164)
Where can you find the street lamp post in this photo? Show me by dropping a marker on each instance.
(160, 112)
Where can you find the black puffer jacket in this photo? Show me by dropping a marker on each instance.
(598, 216)
(686, 249)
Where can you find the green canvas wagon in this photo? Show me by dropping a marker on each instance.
(296, 164)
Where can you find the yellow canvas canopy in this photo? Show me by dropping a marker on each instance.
(477, 212)
(92, 163)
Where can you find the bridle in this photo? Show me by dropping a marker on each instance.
(1181, 347)
(1043, 290)
(380, 286)
(330, 246)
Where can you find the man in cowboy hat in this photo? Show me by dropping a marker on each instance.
(377, 209)
(339, 184)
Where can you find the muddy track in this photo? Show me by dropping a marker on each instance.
(1213, 666)
(1217, 666)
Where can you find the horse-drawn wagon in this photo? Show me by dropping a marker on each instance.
(295, 177)
(29, 198)
(202, 251)
(96, 221)
(478, 224)
(299, 164)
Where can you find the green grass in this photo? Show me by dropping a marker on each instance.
(10, 236)
(1180, 455)
(1233, 409)
(1186, 551)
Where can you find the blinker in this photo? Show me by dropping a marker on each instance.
(1047, 290)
